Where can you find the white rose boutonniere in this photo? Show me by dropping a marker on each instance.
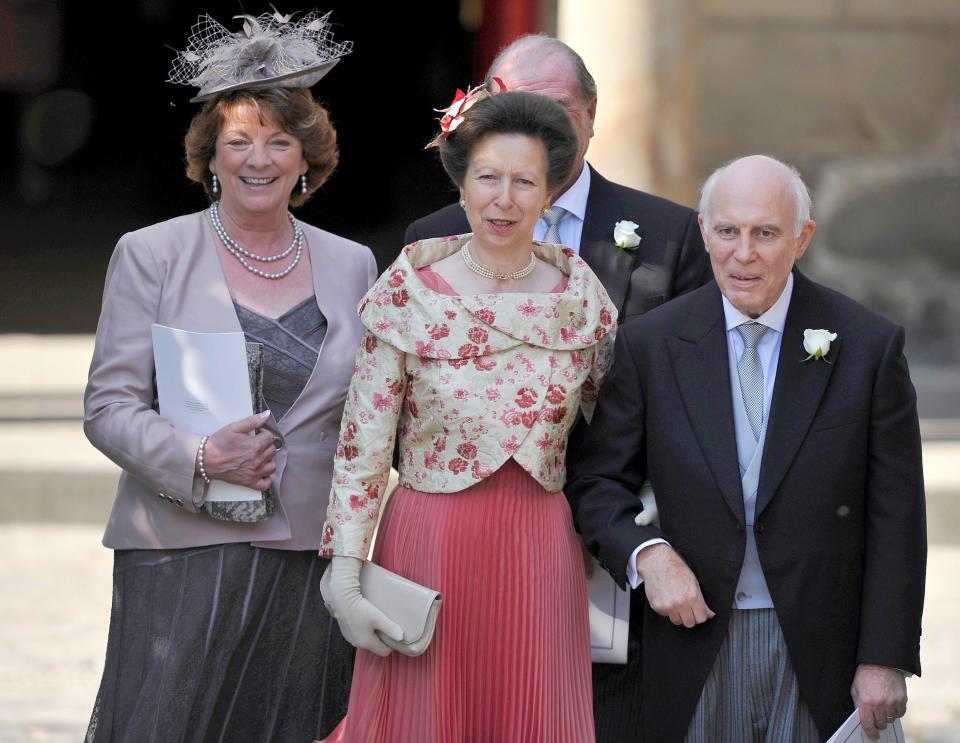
(817, 343)
(625, 234)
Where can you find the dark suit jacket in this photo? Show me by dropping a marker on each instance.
(669, 261)
(840, 523)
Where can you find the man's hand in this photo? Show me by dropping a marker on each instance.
(672, 588)
(881, 695)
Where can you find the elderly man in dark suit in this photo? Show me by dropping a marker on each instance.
(777, 423)
(667, 261)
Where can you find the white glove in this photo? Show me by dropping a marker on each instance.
(650, 513)
(359, 620)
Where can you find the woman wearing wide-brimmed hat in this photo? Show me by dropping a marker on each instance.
(218, 630)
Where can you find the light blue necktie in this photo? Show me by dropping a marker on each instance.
(552, 217)
(751, 374)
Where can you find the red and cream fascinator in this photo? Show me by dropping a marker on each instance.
(462, 102)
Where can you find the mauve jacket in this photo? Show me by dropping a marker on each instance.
(466, 382)
(169, 273)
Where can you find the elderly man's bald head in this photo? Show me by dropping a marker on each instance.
(755, 221)
(756, 171)
(534, 47)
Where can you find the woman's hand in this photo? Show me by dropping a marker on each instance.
(233, 455)
(360, 621)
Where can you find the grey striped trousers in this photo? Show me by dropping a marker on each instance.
(751, 694)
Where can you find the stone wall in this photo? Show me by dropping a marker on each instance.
(826, 79)
(862, 95)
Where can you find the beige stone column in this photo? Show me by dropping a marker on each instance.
(641, 53)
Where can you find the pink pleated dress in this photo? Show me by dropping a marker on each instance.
(510, 659)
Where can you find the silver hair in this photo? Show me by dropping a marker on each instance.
(801, 195)
(585, 81)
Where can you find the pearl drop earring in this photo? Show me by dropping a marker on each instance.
(216, 184)
(303, 184)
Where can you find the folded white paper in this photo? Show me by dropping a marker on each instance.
(609, 617)
(203, 384)
(852, 732)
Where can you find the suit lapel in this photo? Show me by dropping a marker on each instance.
(611, 264)
(217, 310)
(699, 356)
(797, 391)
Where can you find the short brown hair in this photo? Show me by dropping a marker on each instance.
(293, 109)
(514, 112)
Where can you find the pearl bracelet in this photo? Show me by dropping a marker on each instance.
(200, 467)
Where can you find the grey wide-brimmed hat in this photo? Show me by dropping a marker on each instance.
(272, 51)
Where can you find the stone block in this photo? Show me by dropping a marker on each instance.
(902, 87)
(914, 11)
(815, 93)
(786, 10)
(49, 472)
(77, 497)
(887, 237)
(39, 364)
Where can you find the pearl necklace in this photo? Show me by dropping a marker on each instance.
(488, 274)
(238, 252)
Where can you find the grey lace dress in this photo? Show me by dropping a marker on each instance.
(228, 642)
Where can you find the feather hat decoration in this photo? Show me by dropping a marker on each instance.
(271, 50)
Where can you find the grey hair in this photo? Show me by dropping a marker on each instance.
(801, 195)
(585, 81)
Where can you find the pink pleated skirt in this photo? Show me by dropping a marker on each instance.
(510, 660)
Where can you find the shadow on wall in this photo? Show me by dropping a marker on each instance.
(887, 236)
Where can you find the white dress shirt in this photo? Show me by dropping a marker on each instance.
(768, 349)
(574, 200)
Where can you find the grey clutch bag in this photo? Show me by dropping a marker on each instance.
(247, 512)
(412, 606)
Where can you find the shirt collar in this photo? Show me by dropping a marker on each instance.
(775, 318)
(574, 199)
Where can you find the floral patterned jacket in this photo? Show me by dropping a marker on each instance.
(467, 382)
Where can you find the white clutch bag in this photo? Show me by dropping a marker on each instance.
(412, 606)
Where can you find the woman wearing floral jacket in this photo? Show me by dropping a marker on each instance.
(479, 351)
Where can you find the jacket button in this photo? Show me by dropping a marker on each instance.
(758, 527)
(277, 442)
(741, 596)
(740, 526)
